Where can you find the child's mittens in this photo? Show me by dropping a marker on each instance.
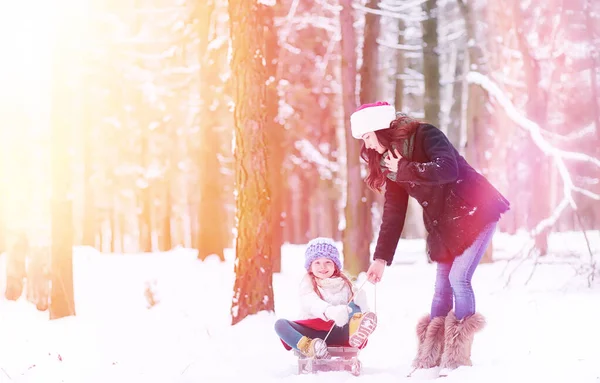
(338, 314)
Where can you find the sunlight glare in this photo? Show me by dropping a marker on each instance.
(27, 40)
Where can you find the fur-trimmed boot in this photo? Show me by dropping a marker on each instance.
(430, 336)
(459, 339)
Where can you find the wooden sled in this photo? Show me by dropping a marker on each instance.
(342, 359)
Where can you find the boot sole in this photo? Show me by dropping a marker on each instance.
(367, 325)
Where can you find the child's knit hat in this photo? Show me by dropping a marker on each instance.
(322, 248)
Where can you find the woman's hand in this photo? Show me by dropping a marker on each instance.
(375, 271)
(392, 163)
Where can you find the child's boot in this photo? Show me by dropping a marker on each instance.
(361, 325)
(430, 338)
(313, 348)
(459, 339)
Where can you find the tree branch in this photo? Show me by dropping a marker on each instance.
(522, 121)
(558, 157)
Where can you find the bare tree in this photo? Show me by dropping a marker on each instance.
(62, 302)
(275, 138)
(211, 235)
(253, 290)
(356, 236)
(477, 117)
(431, 63)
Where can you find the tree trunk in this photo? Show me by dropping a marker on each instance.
(38, 284)
(164, 239)
(275, 138)
(413, 225)
(145, 217)
(536, 110)
(400, 68)
(369, 72)
(253, 290)
(454, 125)
(476, 100)
(16, 261)
(62, 301)
(211, 234)
(357, 234)
(89, 211)
(300, 215)
(431, 63)
(113, 228)
(329, 187)
(294, 220)
(592, 213)
(122, 231)
(2, 224)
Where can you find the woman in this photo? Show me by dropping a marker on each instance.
(460, 212)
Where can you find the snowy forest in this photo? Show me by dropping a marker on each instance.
(141, 126)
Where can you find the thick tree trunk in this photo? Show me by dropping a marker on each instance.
(253, 290)
(275, 138)
(211, 234)
(431, 63)
(413, 226)
(369, 72)
(476, 100)
(62, 302)
(358, 232)
(536, 110)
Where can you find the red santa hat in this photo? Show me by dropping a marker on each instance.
(371, 117)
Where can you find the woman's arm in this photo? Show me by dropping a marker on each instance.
(392, 222)
(442, 168)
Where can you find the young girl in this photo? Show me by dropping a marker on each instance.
(327, 298)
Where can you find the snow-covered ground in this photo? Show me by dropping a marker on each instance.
(545, 331)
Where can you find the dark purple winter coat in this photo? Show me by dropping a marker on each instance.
(457, 201)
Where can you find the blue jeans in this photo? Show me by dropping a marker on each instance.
(453, 280)
(291, 332)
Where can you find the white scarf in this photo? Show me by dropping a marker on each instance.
(334, 290)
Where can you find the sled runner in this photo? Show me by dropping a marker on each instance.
(342, 359)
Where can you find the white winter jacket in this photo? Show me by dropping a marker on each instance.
(334, 292)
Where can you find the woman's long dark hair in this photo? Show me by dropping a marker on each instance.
(400, 129)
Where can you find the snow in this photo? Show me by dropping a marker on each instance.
(545, 331)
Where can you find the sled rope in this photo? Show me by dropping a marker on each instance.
(351, 298)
